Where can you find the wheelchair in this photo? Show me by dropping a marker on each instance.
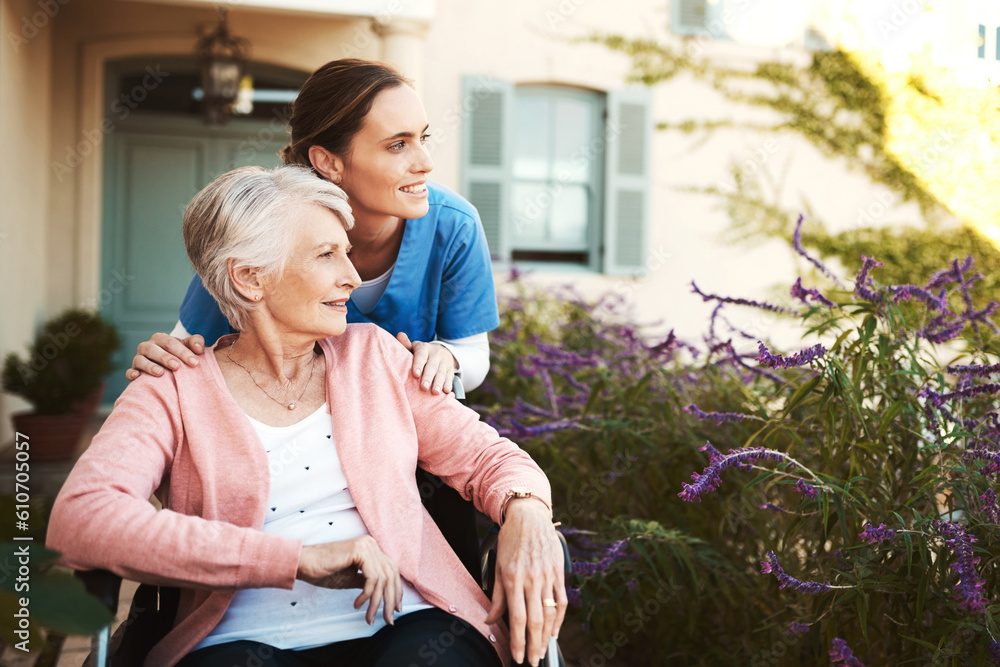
(154, 608)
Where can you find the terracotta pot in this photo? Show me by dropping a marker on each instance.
(51, 437)
(87, 406)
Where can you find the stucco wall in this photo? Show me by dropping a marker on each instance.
(526, 41)
(25, 111)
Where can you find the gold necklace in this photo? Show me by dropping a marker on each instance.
(290, 406)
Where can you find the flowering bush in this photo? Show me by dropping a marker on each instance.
(855, 471)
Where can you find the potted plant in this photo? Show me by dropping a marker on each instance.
(63, 379)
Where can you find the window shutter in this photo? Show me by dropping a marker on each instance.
(629, 133)
(689, 17)
(486, 155)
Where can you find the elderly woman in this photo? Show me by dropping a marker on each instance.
(284, 465)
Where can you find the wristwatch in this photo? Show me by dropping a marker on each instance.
(518, 492)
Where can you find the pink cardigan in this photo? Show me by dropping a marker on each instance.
(183, 438)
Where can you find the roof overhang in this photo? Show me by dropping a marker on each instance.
(421, 10)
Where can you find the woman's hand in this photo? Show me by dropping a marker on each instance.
(163, 350)
(357, 563)
(434, 364)
(529, 570)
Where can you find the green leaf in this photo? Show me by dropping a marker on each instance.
(920, 642)
(595, 393)
(60, 602)
(800, 394)
(889, 415)
(862, 607)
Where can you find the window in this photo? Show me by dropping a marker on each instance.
(555, 174)
(982, 42)
(697, 17)
(690, 17)
(272, 89)
(559, 174)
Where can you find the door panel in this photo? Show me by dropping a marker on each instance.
(162, 175)
(152, 171)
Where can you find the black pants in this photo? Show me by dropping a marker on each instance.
(426, 637)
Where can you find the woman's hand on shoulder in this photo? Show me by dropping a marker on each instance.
(434, 364)
(529, 570)
(356, 563)
(164, 351)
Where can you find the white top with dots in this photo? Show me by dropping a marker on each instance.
(309, 501)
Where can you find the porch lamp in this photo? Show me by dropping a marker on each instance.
(223, 61)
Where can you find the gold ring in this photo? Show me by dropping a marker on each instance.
(548, 602)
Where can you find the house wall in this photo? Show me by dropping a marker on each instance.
(526, 41)
(25, 113)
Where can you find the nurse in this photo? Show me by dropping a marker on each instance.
(419, 247)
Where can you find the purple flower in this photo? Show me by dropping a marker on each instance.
(863, 284)
(941, 335)
(734, 359)
(522, 407)
(970, 392)
(968, 590)
(951, 274)
(842, 653)
(710, 479)
(664, 348)
(713, 453)
(711, 320)
(985, 455)
(976, 370)
(797, 244)
(718, 417)
(807, 490)
(989, 506)
(614, 553)
(906, 292)
(993, 649)
(801, 293)
(771, 566)
(977, 316)
(873, 535)
(806, 356)
(573, 596)
(518, 430)
(763, 305)
(798, 628)
(771, 507)
(555, 356)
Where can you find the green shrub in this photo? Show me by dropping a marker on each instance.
(67, 361)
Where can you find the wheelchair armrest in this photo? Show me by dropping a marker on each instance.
(103, 585)
(458, 389)
(488, 559)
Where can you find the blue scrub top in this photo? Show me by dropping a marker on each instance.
(442, 284)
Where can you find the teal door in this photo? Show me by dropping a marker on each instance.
(152, 171)
(159, 154)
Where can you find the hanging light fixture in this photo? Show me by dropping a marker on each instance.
(223, 63)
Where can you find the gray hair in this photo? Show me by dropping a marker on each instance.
(248, 215)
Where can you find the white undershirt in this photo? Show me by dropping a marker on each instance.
(309, 501)
(366, 295)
